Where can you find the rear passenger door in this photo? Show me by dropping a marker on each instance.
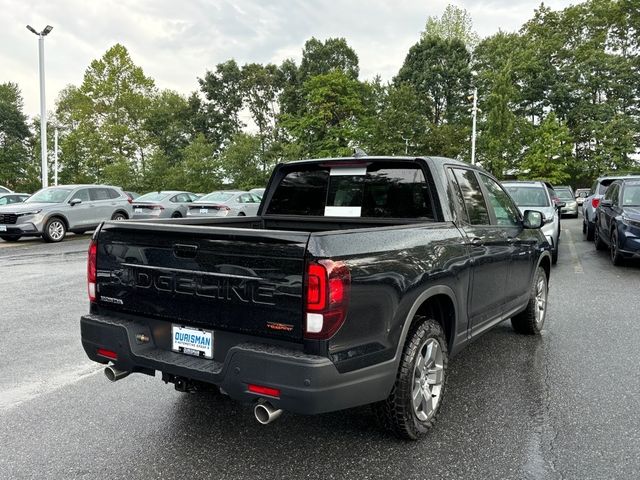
(489, 250)
(103, 204)
(248, 204)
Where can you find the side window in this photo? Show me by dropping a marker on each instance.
(82, 195)
(174, 199)
(473, 198)
(98, 194)
(4, 200)
(245, 198)
(612, 193)
(256, 199)
(193, 196)
(456, 201)
(182, 198)
(113, 194)
(505, 211)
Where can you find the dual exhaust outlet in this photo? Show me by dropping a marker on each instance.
(264, 412)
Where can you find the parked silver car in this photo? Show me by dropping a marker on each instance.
(9, 198)
(535, 196)
(566, 195)
(163, 204)
(225, 203)
(54, 211)
(581, 194)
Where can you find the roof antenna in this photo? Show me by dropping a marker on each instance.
(358, 152)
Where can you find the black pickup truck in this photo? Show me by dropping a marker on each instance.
(355, 283)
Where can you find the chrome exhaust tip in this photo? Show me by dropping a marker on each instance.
(266, 413)
(113, 374)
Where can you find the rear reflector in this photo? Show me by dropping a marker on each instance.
(103, 352)
(261, 390)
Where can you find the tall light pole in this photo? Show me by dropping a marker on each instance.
(474, 114)
(43, 107)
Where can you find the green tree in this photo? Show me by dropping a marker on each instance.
(454, 24)
(321, 58)
(103, 121)
(438, 69)
(14, 139)
(242, 162)
(328, 124)
(224, 99)
(550, 153)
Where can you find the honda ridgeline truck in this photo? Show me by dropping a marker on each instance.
(355, 283)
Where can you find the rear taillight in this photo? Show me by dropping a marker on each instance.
(328, 286)
(129, 199)
(157, 207)
(92, 270)
(595, 202)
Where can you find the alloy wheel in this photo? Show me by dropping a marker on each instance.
(428, 379)
(541, 300)
(56, 230)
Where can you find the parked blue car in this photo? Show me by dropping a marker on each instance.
(618, 220)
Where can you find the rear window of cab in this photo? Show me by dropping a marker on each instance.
(374, 190)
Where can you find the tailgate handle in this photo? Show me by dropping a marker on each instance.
(185, 251)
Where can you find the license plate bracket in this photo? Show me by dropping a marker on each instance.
(192, 341)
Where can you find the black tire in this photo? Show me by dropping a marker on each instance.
(597, 240)
(591, 227)
(242, 214)
(10, 238)
(527, 322)
(54, 230)
(554, 255)
(397, 413)
(576, 215)
(584, 227)
(119, 216)
(176, 215)
(616, 257)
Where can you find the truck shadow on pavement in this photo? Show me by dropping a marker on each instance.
(497, 384)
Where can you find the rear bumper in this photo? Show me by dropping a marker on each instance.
(308, 384)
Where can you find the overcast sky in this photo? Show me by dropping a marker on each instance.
(177, 41)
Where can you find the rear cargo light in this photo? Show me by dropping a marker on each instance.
(103, 352)
(262, 390)
(92, 270)
(595, 202)
(328, 285)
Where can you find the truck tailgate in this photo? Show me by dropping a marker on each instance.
(241, 280)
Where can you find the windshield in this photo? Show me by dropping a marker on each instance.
(152, 197)
(631, 195)
(565, 195)
(528, 196)
(219, 197)
(49, 195)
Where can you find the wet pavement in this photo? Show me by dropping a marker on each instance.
(561, 406)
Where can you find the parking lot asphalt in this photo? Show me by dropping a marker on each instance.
(560, 406)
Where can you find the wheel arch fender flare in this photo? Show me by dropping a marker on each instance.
(424, 297)
(59, 215)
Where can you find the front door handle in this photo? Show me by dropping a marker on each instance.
(510, 240)
(476, 242)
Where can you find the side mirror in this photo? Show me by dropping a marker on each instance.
(562, 204)
(532, 219)
(606, 202)
(75, 202)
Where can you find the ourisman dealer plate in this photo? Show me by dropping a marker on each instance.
(192, 341)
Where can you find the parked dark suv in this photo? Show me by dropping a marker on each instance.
(617, 224)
